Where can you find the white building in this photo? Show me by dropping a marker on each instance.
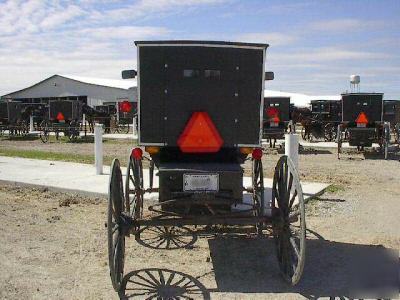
(93, 91)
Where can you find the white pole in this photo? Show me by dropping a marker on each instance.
(292, 148)
(30, 123)
(98, 148)
(83, 120)
(134, 129)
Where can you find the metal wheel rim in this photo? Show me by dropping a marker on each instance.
(290, 247)
(258, 190)
(116, 239)
(134, 188)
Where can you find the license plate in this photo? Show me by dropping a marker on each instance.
(201, 182)
(273, 124)
(362, 125)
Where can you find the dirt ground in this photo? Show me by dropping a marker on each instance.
(54, 245)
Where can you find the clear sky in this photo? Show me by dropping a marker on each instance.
(314, 45)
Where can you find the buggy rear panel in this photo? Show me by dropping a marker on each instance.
(223, 79)
(327, 110)
(391, 111)
(368, 103)
(281, 104)
(3, 111)
(71, 110)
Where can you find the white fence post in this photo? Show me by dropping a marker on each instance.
(134, 129)
(30, 123)
(292, 148)
(98, 148)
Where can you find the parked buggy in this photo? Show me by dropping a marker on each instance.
(64, 116)
(200, 120)
(276, 118)
(362, 123)
(325, 116)
(12, 118)
(391, 114)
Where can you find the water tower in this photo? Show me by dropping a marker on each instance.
(355, 83)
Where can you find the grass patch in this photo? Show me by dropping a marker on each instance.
(45, 155)
(62, 156)
(334, 188)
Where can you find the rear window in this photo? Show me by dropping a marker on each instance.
(216, 74)
(191, 73)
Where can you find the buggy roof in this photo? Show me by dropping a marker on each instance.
(200, 43)
(361, 94)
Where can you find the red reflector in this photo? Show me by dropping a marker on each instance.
(272, 112)
(60, 117)
(200, 135)
(137, 153)
(275, 119)
(362, 118)
(125, 106)
(257, 153)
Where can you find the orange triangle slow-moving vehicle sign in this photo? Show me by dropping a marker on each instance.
(60, 116)
(200, 135)
(362, 118)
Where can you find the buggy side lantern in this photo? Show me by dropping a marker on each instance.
(269, 76)
(128, 74)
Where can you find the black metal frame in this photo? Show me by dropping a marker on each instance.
(127, 214)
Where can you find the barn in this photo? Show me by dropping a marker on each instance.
(92, 91)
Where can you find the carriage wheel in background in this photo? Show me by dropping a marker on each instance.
(258, 190)
(122, 128)
(134, 188)
(339, 140)
(329, 132)
(116, 238)
(73, 131)
(289, 226)
(385, 139)
(44, 131)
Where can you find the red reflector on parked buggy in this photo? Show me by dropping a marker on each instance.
(362, 118)
(272, 112)
(200, 135)
(257, 153)
(60, 117)
(137, 153)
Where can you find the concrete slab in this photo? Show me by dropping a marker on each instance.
(317, 144)
(82, 178)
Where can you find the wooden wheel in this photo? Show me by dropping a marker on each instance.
(339, 140)
(329, 132)
(134, 188)
(73, 131)
(44, 131)
(258, 191)
(386, 140)
(289, 226)
(122, 128)
(116, 238)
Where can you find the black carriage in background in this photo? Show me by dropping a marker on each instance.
(200, 119)
(276, 118)
(362, 122)
(64, 116)
(116, 117)
(391, 114)
(13, 119)
(325, 116)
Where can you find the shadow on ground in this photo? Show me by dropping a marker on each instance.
(246, 263)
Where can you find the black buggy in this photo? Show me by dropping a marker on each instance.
(391, 114)
(62, 116)
(200, 119)
(325, 116)
(362, 122)
(276, 118)
(13, 119)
